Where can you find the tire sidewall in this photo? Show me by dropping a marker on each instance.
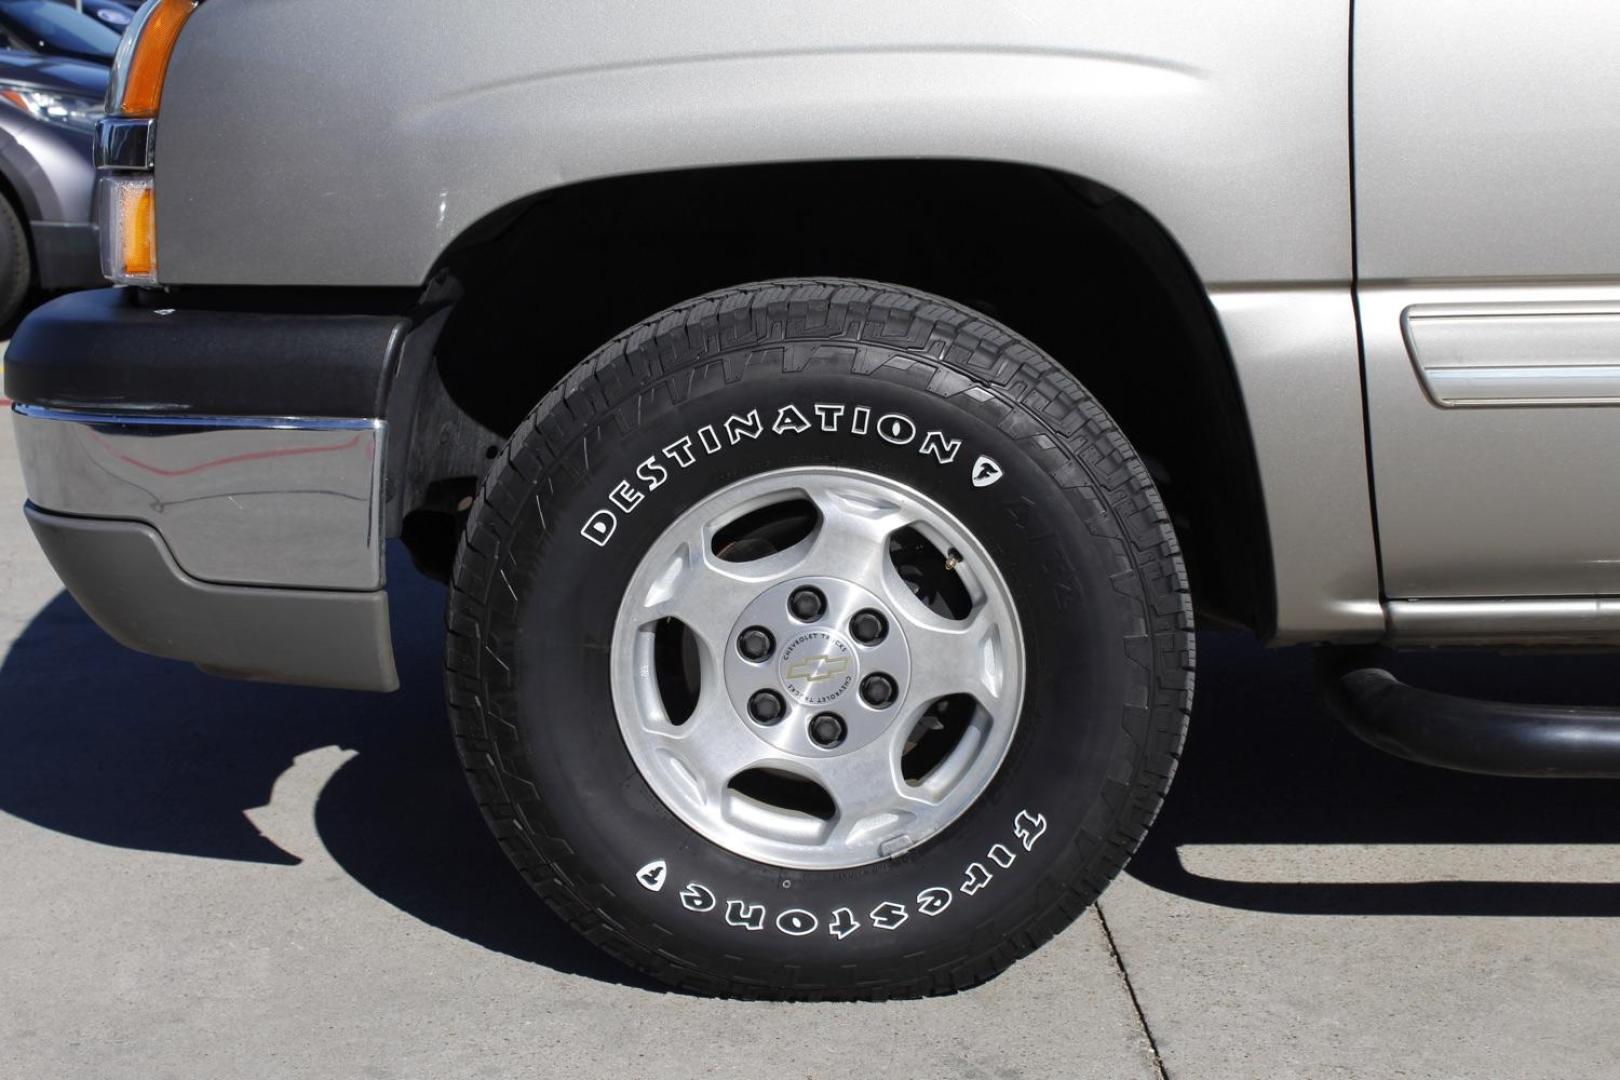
(1046, 814)
(16, 269)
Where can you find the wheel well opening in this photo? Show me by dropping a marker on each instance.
(1080, 270)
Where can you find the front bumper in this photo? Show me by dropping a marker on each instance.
(237, 500)
(251, 545)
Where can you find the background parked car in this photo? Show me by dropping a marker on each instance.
(115, 13)
(54, 29)
(48, 112)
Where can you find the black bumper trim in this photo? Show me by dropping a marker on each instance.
(123, 576)
(266, 354)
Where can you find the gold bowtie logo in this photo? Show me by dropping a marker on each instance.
(813, 669)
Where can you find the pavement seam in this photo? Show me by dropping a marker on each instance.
(1130, 989)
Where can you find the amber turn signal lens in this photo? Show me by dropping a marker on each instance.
(128, 230)
(140, 235)
(143, 57)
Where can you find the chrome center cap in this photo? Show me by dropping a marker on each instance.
(818, 666)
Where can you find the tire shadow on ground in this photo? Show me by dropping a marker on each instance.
(135, 752)
(121, 749)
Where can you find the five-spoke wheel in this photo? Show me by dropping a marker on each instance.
(856, 682)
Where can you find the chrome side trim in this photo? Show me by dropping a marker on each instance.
(257, 423)
(1591, 620)
(280, 501)
(1516, 353)
(1534, 385)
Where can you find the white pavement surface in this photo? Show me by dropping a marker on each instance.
(207, 879)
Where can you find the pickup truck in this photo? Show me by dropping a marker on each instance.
(829, 417)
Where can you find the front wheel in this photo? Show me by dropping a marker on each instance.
(819, 640)
(16, 266)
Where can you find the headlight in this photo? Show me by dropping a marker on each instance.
(78, 113)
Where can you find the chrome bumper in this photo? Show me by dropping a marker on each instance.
(238, 501)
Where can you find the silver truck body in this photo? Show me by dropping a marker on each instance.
(1234, 137)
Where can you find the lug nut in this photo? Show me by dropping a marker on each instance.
(827, 730)
(868, 627)
(766, 707)
(878, 691)
(807, 604)
(755, 643)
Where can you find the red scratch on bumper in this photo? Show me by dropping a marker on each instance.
(235, 459)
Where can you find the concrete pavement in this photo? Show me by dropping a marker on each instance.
(205, 878)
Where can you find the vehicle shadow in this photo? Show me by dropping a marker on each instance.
(1265, 765)
(128, 750)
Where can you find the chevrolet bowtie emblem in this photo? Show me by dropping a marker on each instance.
(813, 669)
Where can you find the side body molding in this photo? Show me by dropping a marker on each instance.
(1516, 353)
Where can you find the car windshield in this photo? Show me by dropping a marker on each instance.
(61, 27)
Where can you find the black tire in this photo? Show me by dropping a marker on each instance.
(1074, 524)
(16, 265)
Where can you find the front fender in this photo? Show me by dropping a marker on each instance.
(305, 142)
(48, 168)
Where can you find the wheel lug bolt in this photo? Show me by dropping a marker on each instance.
(807, 604)
(868, 627)
(766, 707)
(827, 730)
(755, 643)
(878, 691)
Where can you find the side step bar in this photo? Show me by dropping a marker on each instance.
(1491, 737)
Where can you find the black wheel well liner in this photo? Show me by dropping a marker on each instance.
(1081, 270)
